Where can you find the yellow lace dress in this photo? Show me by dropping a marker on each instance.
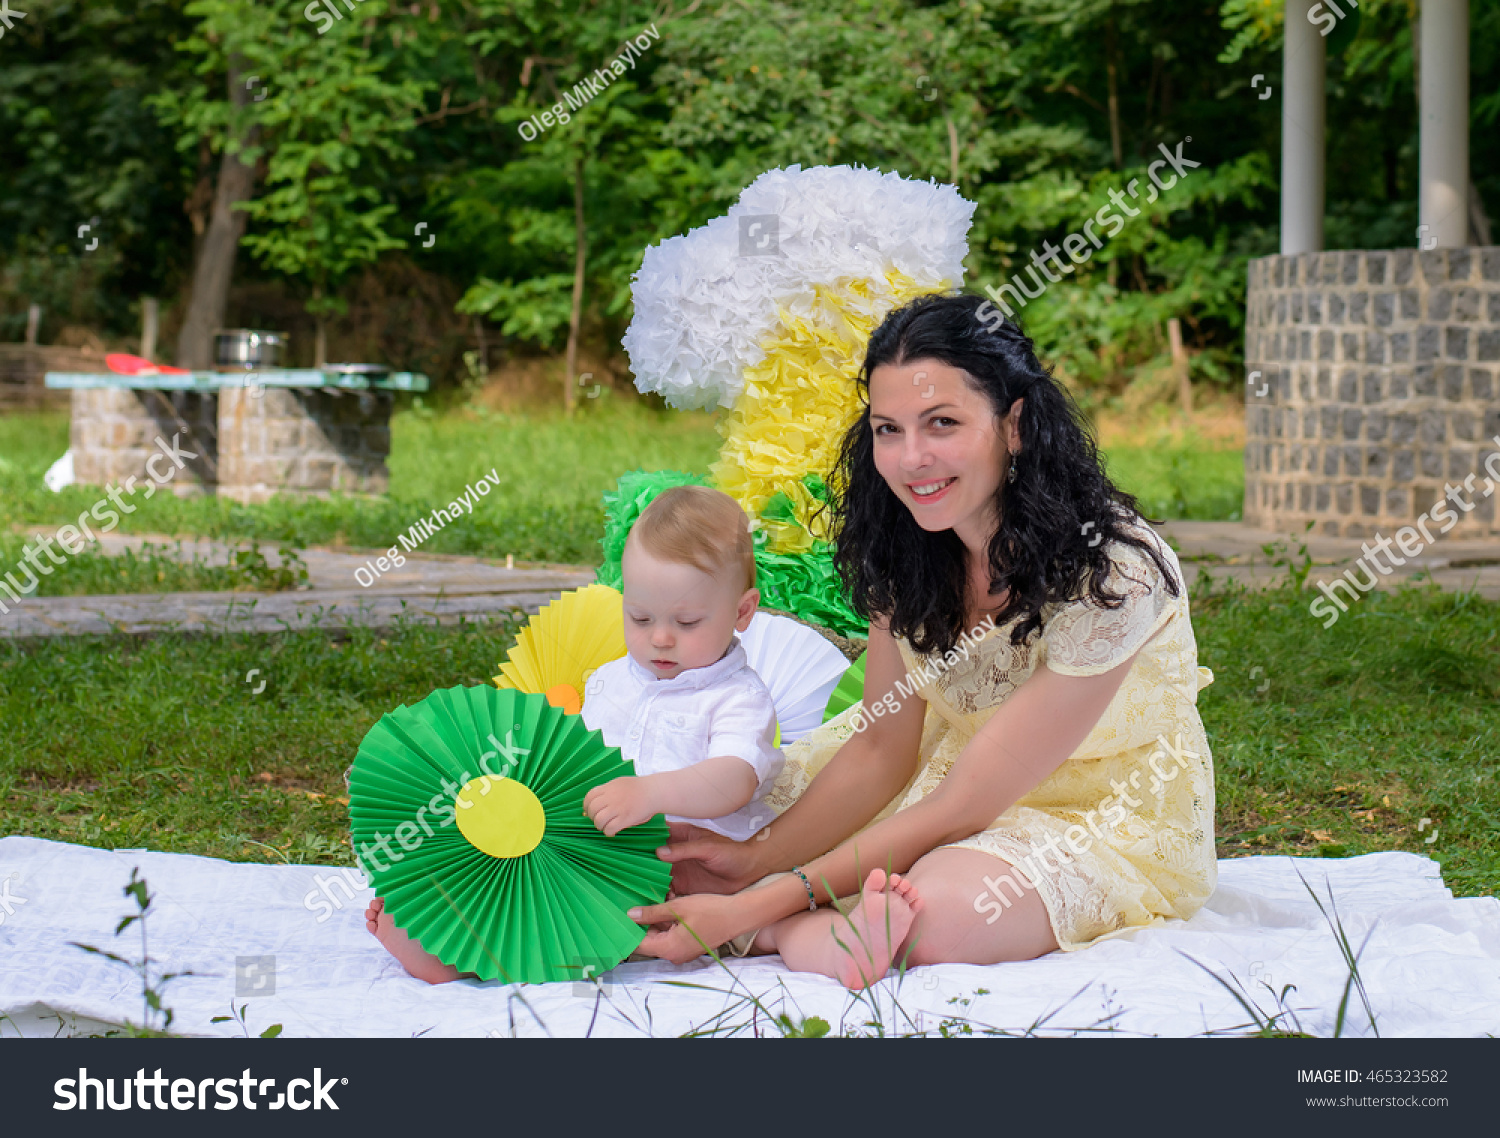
(1132, 810)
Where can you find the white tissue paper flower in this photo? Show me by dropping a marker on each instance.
(705, 300)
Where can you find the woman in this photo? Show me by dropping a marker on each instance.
(1039, 776)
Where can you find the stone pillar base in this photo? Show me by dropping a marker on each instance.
(116, 432)
(309, 441)
(1374, 388)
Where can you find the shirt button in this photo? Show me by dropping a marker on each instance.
(635, 732)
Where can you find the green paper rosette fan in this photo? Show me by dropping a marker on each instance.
(849, 690)
(488, 859)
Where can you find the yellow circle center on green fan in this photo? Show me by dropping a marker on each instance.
(499, 816)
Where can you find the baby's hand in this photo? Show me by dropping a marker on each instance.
(619, 804)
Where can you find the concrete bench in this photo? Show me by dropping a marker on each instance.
(252, 435)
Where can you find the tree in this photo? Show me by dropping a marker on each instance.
(580, 188)
(213, 264)
(328, 108)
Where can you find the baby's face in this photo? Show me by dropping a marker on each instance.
(678, 617)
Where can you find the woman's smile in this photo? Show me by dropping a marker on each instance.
(930, 491)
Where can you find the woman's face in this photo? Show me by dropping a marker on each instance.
(933, 430)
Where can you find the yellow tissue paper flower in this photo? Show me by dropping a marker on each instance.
(800, 401)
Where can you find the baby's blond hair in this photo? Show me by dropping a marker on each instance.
(701, 527)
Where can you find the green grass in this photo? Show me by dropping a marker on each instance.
(151, 569)
(553, 477)
(160, 742)
(548, 507)
(1388, 717)
(1181, 479)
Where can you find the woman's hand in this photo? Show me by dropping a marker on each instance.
(690, 926)
(706, 862)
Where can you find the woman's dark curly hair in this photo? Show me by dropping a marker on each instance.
(1045, 551)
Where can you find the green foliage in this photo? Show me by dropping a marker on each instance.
(238, 1016)
(77, 142)
(331, 113)
(813, 1027)
(537, 309)
(399, 115)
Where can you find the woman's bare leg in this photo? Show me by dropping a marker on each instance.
(416, 960)
(950, 930)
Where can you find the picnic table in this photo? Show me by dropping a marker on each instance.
(250, 434)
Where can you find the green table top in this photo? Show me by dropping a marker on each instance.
(214, 380)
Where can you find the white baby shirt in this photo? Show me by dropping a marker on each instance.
(666, 725)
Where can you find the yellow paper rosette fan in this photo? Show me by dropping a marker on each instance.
(564, 644)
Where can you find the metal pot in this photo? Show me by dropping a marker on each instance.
(242, 349)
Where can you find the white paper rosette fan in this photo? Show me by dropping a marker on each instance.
(767, 311)
(800, 667)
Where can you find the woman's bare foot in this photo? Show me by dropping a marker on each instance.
(872, 933)
(420, 963)
(856, 949)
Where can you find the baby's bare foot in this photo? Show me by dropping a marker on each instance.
(409, 952)
(873, 932)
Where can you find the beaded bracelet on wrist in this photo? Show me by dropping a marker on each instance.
(812, 900)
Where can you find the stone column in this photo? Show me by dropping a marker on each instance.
(1374, 393)
(1302, 105)
(1444, 105)
(303, 441)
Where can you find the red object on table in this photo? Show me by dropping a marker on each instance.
(121, 363)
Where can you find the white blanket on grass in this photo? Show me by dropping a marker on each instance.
(1431, 967)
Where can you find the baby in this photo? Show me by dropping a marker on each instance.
(683, 705)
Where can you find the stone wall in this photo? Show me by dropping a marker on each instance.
(289, 440)
(115, 431)
(1378, 388)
